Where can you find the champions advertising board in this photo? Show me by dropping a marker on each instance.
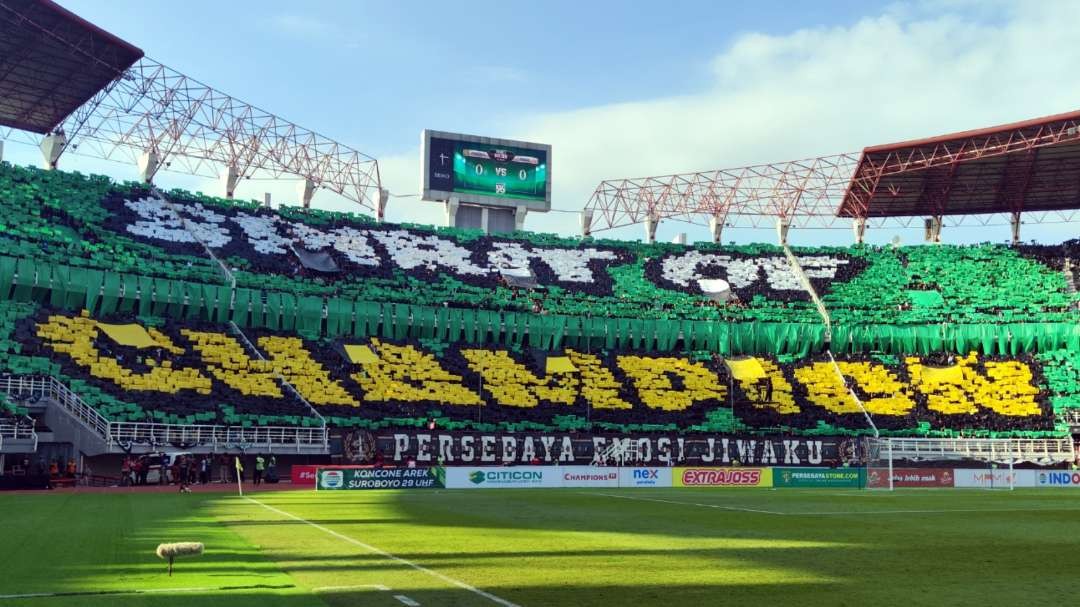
(658, 450)
(331, 479)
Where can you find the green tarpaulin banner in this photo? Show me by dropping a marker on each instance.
(75, 288)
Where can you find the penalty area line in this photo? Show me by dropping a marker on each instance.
(387, 555)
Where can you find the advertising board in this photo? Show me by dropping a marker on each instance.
(878, 478)
(722, 477)
(332, 479)
(302, 475)
(993, 479)
(588, 476)
(497, 477)
(819, 477)
(645, 477)
(1058, 478)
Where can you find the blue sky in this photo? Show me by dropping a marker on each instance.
(619, 89)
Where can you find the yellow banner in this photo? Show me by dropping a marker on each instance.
(745, 369)
(361, 355)
(559, 364)
(942, 375)
(133, 336)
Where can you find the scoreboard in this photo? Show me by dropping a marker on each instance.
(486, 171)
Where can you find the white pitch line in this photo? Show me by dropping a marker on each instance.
(171, 590)
(938, 511)
(34, 595)
(404, 600)
(849, 513)
(653, 499)
(383, 553)
(355, 587)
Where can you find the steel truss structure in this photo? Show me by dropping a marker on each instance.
(1015, 168)
(805, 192)
(975, 178)
(196, 129)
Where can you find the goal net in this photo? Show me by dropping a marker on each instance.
(953, 462)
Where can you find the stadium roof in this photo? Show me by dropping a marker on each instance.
(1032, 165)
(52, 62)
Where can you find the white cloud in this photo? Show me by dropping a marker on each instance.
(914, 71)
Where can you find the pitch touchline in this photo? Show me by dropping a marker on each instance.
(77, 593)
(383, 553)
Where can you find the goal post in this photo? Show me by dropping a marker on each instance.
(879, 460)
(988, 463)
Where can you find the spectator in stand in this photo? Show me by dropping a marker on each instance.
(260, 467)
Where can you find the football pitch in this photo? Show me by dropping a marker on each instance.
(544, 547)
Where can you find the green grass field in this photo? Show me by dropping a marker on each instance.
(546, 547)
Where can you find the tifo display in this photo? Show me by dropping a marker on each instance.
(194, 368)
(340, 320)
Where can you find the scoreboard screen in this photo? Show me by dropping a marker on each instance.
(483, 170)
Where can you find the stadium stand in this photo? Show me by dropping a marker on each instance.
(337, 319)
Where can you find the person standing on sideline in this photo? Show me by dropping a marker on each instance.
(223, 467)
(271, 470)
(260, 466)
